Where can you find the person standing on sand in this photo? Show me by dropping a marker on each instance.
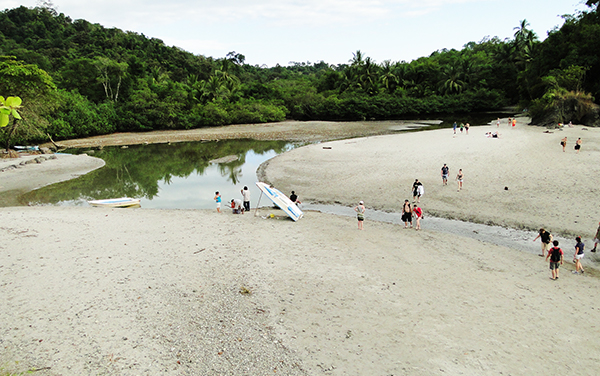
(218, 201)
(563, 143)
(459, 179)
(546, 238)
(462, 126)
(556, 259)
(445, 171)
(596, 238)
(407, 214)
(498, 123)
(514, 122)
(467, 128)
(578, 256)
(578, 144)
(509, 122)
(454, 127)
(360, 214)
(246, 195)
(418, 213)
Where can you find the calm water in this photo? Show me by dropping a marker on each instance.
(181, 175)
(175, 176)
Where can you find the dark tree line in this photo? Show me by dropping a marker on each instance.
(80, 79)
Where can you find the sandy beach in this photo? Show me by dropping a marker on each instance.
(91, 291)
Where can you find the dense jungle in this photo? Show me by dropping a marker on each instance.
(78, 79)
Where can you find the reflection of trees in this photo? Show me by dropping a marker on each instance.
(137, 170)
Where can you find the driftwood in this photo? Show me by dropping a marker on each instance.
(57, 146)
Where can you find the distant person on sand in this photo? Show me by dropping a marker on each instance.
(218, 201)
(462, 126)
(417, 189)
(407, 214)
(445, 171)
(237, 206)
(546, 238)
(509, 122)
(498, 123)
(596, 238)
(418, 213)
(360, 214)
(467, 127)
(294, 198)
(563, 143)
(454, 127)
(514, 122)
(578, 256)
(578, 144)
(459, 179)
(556, 259)
(246, 195)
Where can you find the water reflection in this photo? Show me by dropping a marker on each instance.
(173, 176)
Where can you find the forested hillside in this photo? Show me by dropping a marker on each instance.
(80, 79)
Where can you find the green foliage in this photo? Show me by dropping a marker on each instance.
(8, 108)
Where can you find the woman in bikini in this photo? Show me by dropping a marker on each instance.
(459, 178)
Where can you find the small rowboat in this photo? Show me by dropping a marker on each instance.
(123, 202)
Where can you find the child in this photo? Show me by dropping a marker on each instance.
(218, 201)
(556, 257)
(360, 214)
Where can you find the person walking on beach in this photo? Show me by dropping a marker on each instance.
(360, 214)
(246, 195)
(418, 213)
(596, 238)
(467, 128)
(417, 189)
(509, 122)
(563, 143)
(514, 122)
(454, 127)
(445, 171)
(462, 126)
(218, 201)
(459, 179)
(546, 238)
(407, 214)
(556, 259)
(498, 123)
(578, 144)
(578, 256)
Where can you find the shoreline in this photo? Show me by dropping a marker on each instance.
(142, 292)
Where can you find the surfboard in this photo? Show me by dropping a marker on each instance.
(281, 200)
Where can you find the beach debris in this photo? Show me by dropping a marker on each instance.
(326, 147)
(198, 251)
(245, 291)
(506, 188)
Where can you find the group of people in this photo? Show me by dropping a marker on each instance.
(460, 176)
(563, 143)
(555, 254)
(462, 127)
(239, 206)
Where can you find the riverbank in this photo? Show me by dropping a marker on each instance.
(521, 180)
(142, 292)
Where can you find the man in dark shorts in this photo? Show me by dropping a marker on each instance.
(556, 259)
(407, 214)
(445, 172)
(546, 239)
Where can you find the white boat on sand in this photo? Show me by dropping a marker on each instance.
(123, 202)
(280, 200)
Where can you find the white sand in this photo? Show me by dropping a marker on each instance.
(546, 187)
(146, 292)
